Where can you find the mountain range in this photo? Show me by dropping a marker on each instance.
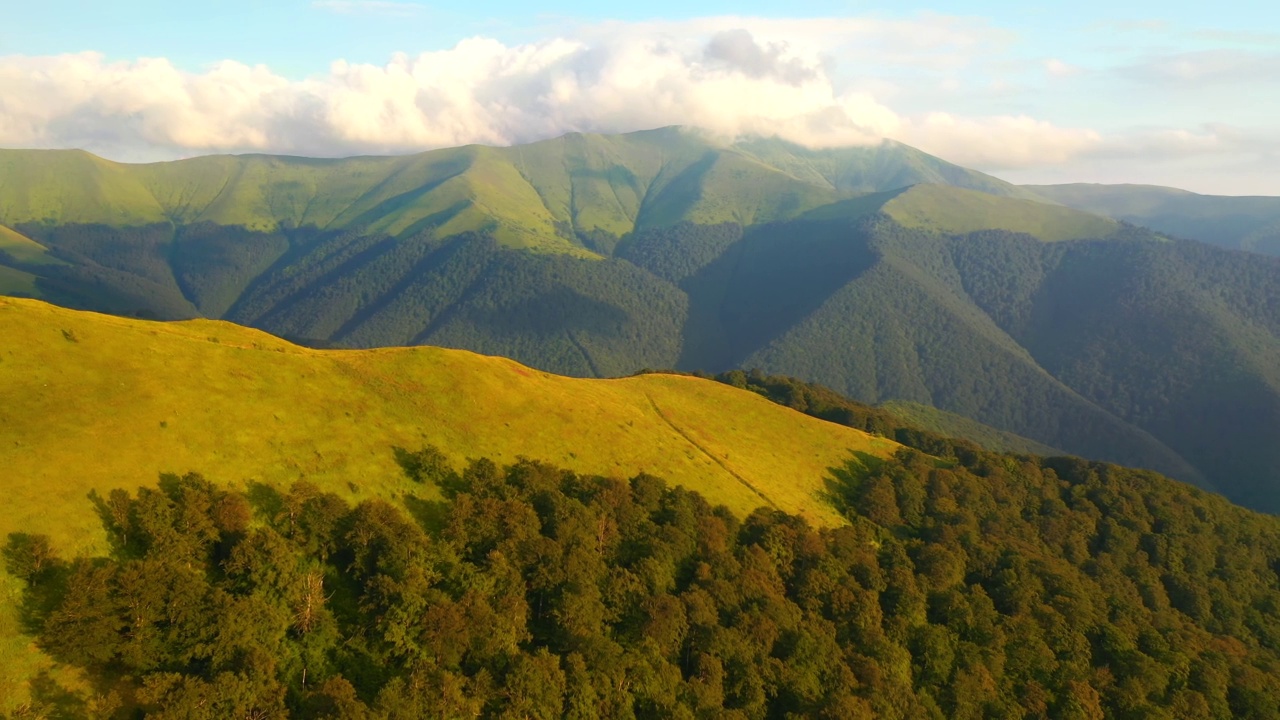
(881, 272)
(1241, 223)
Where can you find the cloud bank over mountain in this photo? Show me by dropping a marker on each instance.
(725, 76)
(818, 82)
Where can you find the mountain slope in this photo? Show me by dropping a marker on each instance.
(92, 402)
(143, 397)
(902, 330)
(885, 166)
(1241, 223)
(927, 417)
(1162, 353)
(22, 249)
(538, 195)
(958, 211)
(985, 584)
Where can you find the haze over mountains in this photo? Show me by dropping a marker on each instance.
(882, 272)
(1244, 223)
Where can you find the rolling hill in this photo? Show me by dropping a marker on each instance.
(143, 398)
(91, 402)
(1238, 223)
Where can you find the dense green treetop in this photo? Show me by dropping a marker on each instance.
(988, 586)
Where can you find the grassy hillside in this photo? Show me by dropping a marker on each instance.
(72, 186)
(23, 249)
(885, 166)
(845, 295)
(1241, 223)
(17, 283)
(140, 398)
(91, 402)
(955, 210)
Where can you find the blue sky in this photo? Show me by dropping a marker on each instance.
(1169, 93)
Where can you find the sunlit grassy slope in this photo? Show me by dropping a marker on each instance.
(17, 283)
(24, 249)
(94, 402)
(538, 196)
(958, 211)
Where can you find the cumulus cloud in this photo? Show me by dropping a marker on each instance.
(738, 50)
(81, 101)
(998, 143)
(798, 79)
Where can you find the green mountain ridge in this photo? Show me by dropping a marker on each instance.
(537, 195)
(1235, 222)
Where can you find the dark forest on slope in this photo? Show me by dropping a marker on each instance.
(983, 586)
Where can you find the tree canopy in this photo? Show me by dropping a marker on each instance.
(987, 585)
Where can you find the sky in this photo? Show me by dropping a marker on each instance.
(1179, 94)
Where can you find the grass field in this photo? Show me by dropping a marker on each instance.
(17, 282)
(93, 402)
(24, 249)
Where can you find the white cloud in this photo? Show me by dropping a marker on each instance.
(1213, 159)
(997, 143)
(822, 82)
(1155, 144)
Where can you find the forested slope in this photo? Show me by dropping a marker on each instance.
(997, 586)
